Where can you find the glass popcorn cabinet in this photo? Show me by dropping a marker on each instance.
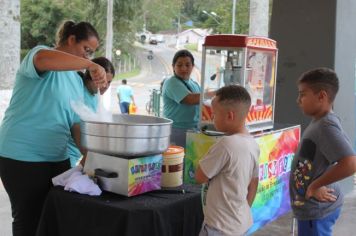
(243, 60)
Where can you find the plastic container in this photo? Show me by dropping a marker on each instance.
(172, 167)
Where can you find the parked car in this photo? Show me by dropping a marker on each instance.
(160, 38)
(153, 41)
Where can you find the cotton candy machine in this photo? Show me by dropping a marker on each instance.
(127, 135)
(125, 152)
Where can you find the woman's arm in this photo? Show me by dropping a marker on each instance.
(191, 99)
(194, 98)
(56, 60)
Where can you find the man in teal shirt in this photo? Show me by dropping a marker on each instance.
(125, 96)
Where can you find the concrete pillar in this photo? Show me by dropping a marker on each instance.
(108, 50)
(9, 49)
(259, 18)
(312, 34)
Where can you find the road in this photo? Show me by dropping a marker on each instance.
(152, 73)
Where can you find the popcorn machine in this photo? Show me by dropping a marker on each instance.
(244, 60)
(252, 63)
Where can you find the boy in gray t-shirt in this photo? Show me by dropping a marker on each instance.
(230, 167)
(324, 156)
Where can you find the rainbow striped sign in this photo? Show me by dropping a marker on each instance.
(277, 149)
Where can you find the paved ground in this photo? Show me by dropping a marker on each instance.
(345, 226)
(5, 213)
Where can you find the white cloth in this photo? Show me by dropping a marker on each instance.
(73, 180)
(62, 179)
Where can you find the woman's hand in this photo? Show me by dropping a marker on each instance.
(98, 75)
(209, 93)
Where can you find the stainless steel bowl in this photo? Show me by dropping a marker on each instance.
(127, 135)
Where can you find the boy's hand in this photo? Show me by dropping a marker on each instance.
(200, 176)
(322, 194)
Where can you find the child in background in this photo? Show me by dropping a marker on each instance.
(324, 156)
(90, 100)
(230, 167)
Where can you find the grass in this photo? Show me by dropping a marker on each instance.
(127, 74)
(192, 46)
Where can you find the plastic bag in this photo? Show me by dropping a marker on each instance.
(132, 108)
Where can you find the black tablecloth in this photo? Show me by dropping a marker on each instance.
(153, 213)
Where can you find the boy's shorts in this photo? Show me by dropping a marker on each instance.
(206, 230)
(318, 227)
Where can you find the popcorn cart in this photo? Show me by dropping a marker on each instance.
(252, 63)
(244, 60)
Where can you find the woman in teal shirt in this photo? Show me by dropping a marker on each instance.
(91, 101)
(39, 120)
(181, 96)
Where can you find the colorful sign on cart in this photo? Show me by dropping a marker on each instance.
(272, 199)
(277, 149)
(144, 174)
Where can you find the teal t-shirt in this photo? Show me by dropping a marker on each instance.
(174, 90)
(36, 126)
(125, 93)
(74, 153)
(91, 100)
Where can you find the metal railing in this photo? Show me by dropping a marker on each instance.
(154, 105)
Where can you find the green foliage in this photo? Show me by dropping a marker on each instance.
(41, 18)
(128, 75)
(124, 24)
(223, 9)
(159, 15)
(23, 53)
(35, 17)
(191, 47)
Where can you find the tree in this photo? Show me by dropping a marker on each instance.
(222, 9)
(41, 18)
(124, 22)
(158, 15)
(38, 23)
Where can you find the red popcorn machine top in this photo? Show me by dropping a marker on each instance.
(244, 60)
